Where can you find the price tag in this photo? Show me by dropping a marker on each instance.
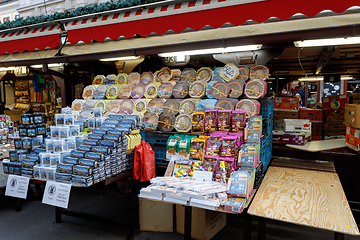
(57, 194)
(202, 176)
(17, 186)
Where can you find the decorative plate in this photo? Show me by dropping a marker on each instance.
(98, 80)
(255, 89)
(220, 90)
(188, 74)
(183, 123)
(166, 122)
(197, 89)
(259, 72)
(204, 74)
(138, 91)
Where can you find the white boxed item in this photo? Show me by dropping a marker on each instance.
(51, 173)
(44, 158)
(294, 125)
(204, 223)
(43, 172)
(155, 216)
(54, 159)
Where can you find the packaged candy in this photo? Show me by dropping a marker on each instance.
(197, 149)
(224, 120)
(26, 142)
(228, 148)
(49, 145)
(197, 124)
(59, 119)
(184, 146)
(171, 146)
(54, 132)
(64, 132)
(54, 159)
(214, 146)
(238, 120)
(59, 145)
(210, 162)
(210, 121)
(225, 168)
(69, 119)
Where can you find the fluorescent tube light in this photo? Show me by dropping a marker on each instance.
(213, 51)
(327, 42)
(7, 68)
(314, 79)
(119, 58)
(49, 65)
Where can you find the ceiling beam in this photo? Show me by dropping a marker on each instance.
(324, 58)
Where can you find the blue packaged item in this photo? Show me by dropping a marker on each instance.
(113, 138)
(209, 87)
(63, 177)
(18, 143)
(110, 125)
(95, 136)
(106, 128)
(28, 163)
(32, 157)
(99, 131)
(115, 116)
(77, 154)
(64, 168)
(88, 162)
(39, 150)
(90, 142)
(82, 170)
(17, 168)
(101, 149)
(81, 124)
(124, 129)
(70, 160)
(55, 159)
(82, 181)
(27, 172)
(26, 141)
(86, 148)
(108, 143)
(206, 104)
(22, 155)
(113, 121)
(95, 156)
(115, 132)
(216, 75)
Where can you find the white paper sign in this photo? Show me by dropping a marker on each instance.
(17, 186)
(57, 194)
(202, 176)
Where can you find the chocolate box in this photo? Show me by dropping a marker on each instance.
(352, 115)
(311, 114)
(296, 138)
(283, 103)
(334, 115)
(352, 139)
(334, 102)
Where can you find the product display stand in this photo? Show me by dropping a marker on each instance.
(124, 184)
(309, 197)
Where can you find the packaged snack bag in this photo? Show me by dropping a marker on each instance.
(197, 123)
(184, 147)
(197, 149)
(224, 169)
(210, 120)
(171, 147)
(224, 120)
(209, 164)
(238, 120)
(214, 146)
(228, 148)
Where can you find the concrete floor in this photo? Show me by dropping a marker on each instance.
(36, 221)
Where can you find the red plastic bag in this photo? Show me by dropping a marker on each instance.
(147, 162)
(138, 155)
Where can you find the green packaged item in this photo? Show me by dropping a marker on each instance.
(172, 146)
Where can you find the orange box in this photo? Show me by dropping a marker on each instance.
(352, 138)
(311, 114)
(285, 103)
(352, 115)
(334, 102)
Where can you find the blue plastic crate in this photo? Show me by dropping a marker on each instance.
(265, 142)
(143, 135)
(268, 127)
(267, 109)
(158, 138)
(161, 162)
(160, 153)
(266, 157)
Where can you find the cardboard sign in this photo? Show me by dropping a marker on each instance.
(202, 176)
(17, 186)
(57, 194)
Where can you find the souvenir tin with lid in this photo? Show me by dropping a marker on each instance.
(151, 90)
(255, 89)
(172, 107)
(98, 80)
(259, 72)
(112, 92)
(138, 91)
(229, 72)
(127, 106)
(183, 123)
(216, 75)
(146, 78)
(176, 73)
(125, 91)
(209, 86)
(243, 73)
(77, 105)
(150, 121)
(121, 78)
(156, 105)
(226, 104)
(197, 89)
(251, 106)
(141, 105)
(100, 92)
(164, 75)
(187, 106)
(165, 90)
(220, 90)
(204, 74)
(206, 104)
(113, 106)
(110, 79)
(236, 88)
(134, 78)
(188, 74)
(181, 89)
(166, 122)
(88, 92)
(101, 104)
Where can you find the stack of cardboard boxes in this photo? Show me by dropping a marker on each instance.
(352, 122)
(333, 115)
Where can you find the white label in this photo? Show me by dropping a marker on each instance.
(57, 194)
(172, 142)
(230, 71)
(202, 176)
(357, 133)
(17, 186)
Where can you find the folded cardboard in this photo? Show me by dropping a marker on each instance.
(352, 139)
(155, 216)
(316, 138)
(296, 138)
(334, 115)
(293, 125)
(316, 129)
(285, 103)
(352, 115)
(311, 114)
(204, 223)
(333, 129)
(354, 98)
(280, 115)
(334, 102)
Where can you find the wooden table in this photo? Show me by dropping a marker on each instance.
(313, 198)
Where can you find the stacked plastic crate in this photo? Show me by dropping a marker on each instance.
(267, 112)
(158, 142)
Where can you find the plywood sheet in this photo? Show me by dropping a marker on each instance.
(317, 146)
(304, 197)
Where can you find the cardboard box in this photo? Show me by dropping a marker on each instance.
(352, 139)
(354, 98)
(280, 115)
(352, 115)
(333, 129)
(204, 223)
(296, 138)
(316, 129)
(311, 114)
(334, 116)
(285, 103)
(293, 125)
(334, 102)
(155, 216)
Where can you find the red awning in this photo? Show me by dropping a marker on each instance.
(177, 17)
